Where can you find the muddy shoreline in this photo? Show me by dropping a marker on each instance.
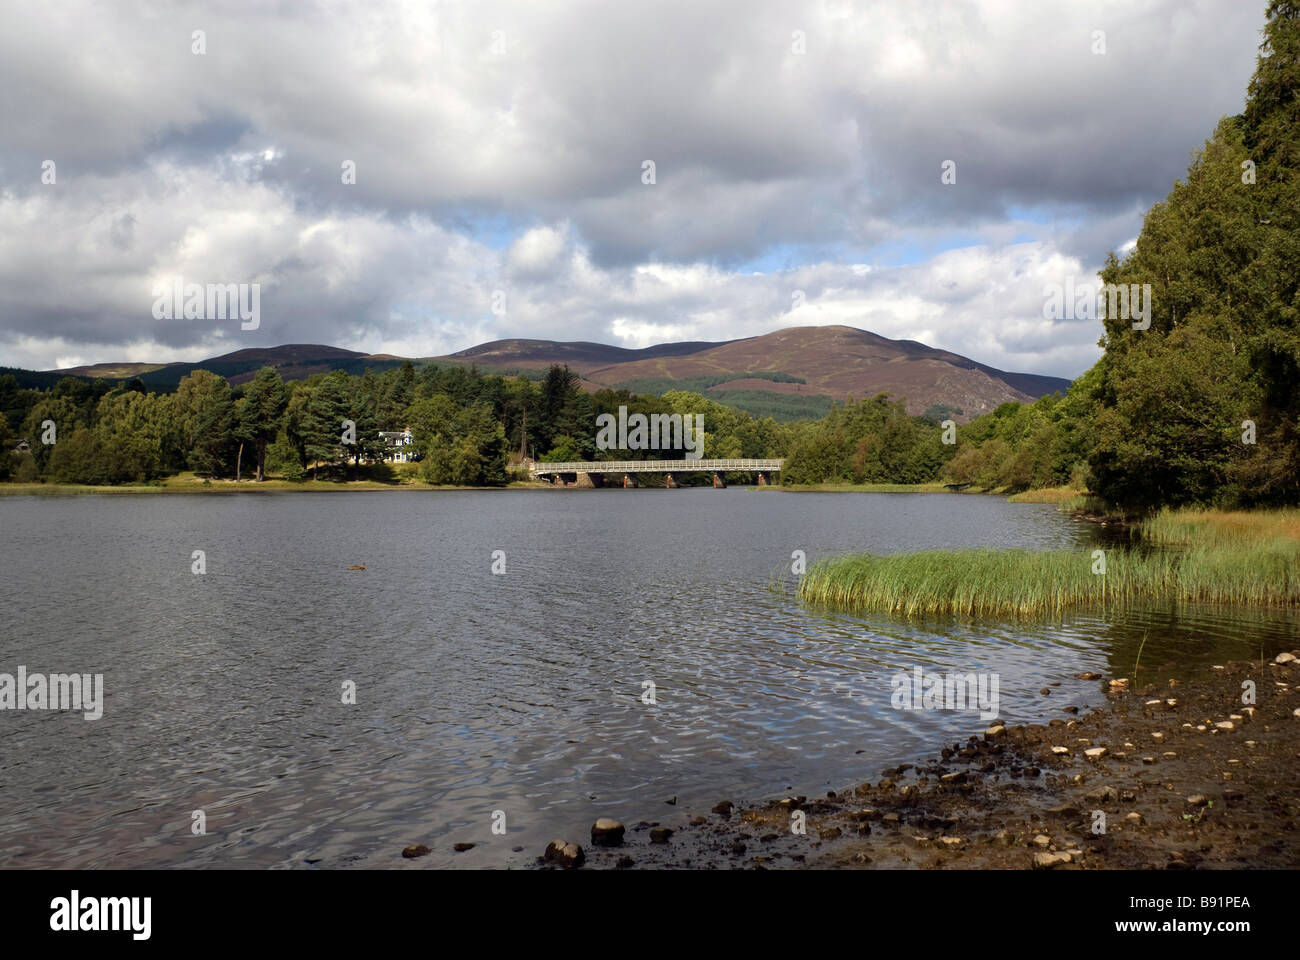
(1180, 774)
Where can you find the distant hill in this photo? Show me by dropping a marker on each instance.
(295, 361)
(798, 371)
(819, 364)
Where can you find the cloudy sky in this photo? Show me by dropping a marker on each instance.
(503, 146)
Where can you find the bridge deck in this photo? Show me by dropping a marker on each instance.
(658, 466)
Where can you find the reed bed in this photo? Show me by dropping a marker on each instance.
(1203, 558)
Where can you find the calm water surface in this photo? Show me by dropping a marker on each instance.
(477, 692)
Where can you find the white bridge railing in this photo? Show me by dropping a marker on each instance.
(658, 466)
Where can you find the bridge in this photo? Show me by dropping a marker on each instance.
(589, 473)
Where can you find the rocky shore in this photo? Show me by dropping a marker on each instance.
(1197, 772)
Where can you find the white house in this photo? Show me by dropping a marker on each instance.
(397, 446)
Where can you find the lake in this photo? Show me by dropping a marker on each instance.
(521, 692)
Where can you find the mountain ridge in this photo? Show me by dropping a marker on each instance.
(821, 363)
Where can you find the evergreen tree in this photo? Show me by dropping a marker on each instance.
(262, 414)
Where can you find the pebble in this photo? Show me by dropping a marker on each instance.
(724, 808)
(1196, 800)
(1284, 658)
(660, 834)
(1042, 840)
(416, 850)
(1225, 725)
(1095, 753)
(462, 847)
(1064, 751)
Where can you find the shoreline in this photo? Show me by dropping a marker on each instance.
(224, 486)
(1186, 777)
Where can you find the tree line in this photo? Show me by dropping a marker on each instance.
(465, 426)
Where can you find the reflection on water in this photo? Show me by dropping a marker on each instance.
(476, 692)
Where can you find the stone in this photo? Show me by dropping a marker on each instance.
(1225, 725)
(1047, 861)
(724, 808)
(606, 832)
(567, 855)
(1135, 817)
(660, 834)
(993, 732)
(1095, 753)
(1045, 691)
(1061, 751)
(1042, 840)
(1284, 658)
(416, 850)
(1197, 800)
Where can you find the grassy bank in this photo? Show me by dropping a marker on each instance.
(864, 488)
(1200, 556)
